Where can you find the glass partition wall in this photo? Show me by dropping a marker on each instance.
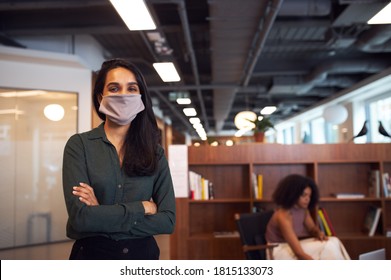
(34, 127)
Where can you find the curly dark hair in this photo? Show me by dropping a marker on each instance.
(291, 187)
(143, 137)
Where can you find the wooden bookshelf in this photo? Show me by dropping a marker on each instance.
(335, 168)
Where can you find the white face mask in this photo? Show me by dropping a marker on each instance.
(121, 108)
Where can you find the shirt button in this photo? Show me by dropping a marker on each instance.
(119, 186)
(125, 250)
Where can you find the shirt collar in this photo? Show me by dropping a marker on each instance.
(98, 132)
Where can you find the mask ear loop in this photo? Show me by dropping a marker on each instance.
(100, 97)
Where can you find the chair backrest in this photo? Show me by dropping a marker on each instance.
(252, 228)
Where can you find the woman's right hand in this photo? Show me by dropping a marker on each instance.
(86, 194)
(150, 207)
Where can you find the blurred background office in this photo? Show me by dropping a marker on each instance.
(323, 68)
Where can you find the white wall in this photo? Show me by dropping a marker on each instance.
(84, 46)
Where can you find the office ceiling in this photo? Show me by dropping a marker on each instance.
(231, 55)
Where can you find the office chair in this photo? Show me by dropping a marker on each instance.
(252, 228)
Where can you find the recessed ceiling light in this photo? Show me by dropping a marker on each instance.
(268, 110)
(135, 14)
(194, 120)
(183, 101)
(11, 112)
(23, 93)
(382, 17)
(190, 112)
(167, 71)
(197, 126)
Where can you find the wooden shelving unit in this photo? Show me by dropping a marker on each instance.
(335, 168)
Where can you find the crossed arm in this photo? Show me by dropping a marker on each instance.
(87, 196)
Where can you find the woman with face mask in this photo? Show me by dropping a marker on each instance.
(117, 184)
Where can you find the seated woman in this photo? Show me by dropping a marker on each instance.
(293, 227)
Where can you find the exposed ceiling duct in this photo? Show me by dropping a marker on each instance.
(375, 40)
(303, 85)
(232, 55)
(234, 46)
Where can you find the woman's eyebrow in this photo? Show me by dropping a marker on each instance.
(129, 84)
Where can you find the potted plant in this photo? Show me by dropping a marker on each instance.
(261, 126)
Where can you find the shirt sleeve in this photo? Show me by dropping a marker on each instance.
(163, 221)
(106, 219)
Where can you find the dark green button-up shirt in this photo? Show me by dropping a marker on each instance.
(90, 158)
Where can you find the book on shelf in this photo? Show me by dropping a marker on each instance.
(348, 195)
(372, 219)
(204, 188)
(324, 224)
(321, 226)
(260, 186)
(328, 221)
(254, 184)
(200, 187)
(194, 185)
(386, 184)
(257, 185)
(211, 190)
(374, 183)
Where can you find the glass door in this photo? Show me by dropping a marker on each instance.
(34, 127)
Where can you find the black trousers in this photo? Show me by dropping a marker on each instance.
(102, 248)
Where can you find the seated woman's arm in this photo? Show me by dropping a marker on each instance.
(313, 229)
(285, 223)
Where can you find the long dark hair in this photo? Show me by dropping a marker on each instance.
(142, 138)
(291, 187)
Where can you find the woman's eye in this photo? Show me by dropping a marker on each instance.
(113, 89)
(133, 89)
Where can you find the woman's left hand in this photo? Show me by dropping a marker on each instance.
(86, 194)
(322, 236)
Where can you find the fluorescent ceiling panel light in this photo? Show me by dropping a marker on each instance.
(167, 71)
(194, 120)
(242, 131)
(201, 131)
(23, 93)
(190, 112)
(155, 37)
(135, 14)
(268, 110)
(197, 126)
(183, 101)
(202, 134)
(11, 111)
(382, 17)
